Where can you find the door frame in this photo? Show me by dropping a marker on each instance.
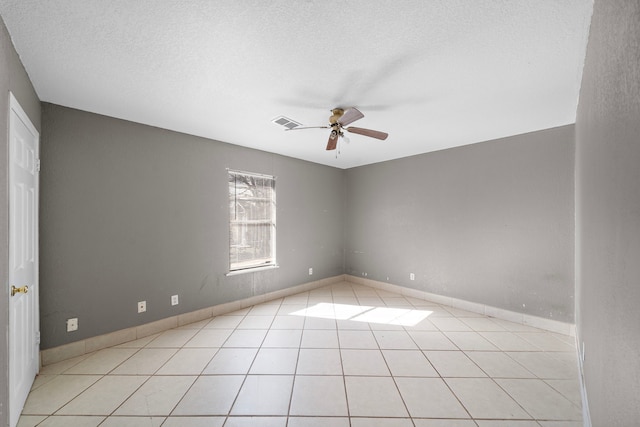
(15, 107)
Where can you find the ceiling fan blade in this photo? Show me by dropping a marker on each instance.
(350, 115)
(308, 127)
(368, 132)
(333, 141)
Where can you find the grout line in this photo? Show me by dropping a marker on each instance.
(337, 292)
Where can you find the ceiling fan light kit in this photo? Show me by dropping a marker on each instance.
(340, 118)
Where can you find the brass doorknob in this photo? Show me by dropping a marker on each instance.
(23, 290)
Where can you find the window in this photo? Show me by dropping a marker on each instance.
(252, 225)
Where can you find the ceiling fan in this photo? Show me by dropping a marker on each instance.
(340, 118)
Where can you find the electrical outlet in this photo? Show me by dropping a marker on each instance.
(174, 300)
(412, 276)
(72, 324)
(310, 271)
(142, 306)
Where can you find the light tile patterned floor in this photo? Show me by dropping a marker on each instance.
(340, 356)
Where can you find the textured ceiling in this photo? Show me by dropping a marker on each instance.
(433, 74)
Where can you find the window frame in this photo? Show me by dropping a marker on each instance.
(237, 267)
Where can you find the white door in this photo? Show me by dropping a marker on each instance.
(24, 336)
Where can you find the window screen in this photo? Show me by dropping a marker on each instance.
(252, 231)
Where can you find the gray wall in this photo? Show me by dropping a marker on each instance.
(12, 78)
(490, 223)
(608, 214)
(131, 212)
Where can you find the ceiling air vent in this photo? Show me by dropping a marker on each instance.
(286, 122)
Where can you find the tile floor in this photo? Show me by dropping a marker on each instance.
(339, 356)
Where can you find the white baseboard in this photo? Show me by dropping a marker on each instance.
(487, 310)
(89, 345)
(586, 416)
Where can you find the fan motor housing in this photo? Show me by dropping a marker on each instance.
(337, 113)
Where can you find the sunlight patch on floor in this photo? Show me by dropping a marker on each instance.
(361, 313)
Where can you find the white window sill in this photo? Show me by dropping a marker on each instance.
(251, 270)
